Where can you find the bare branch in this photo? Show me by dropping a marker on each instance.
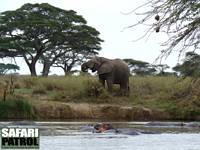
(179, 19)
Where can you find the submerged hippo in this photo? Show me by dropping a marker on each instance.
(101, 127)
(108, 128)
(98, 128)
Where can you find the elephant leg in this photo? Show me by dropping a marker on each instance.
(124, 88)
(102, 81)
(109, 84)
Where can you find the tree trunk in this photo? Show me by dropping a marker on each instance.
(31, 65)
(67, 73)
(46, 68)
(32, 69)
(67, 70)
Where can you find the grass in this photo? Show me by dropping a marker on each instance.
(77, 88)
(180, 98)
(16, 107)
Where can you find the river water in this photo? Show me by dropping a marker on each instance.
(79, 136)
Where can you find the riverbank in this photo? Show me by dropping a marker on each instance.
(81, 111)
(82, 97)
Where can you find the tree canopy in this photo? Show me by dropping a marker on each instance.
(190, 66)
(180, 19)
(44, 32)
(4, 68)
(140, 67)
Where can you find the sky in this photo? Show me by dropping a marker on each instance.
(108, 17)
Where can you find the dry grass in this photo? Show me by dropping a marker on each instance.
(170, 94)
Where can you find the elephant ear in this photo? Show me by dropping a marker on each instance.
(105, 67)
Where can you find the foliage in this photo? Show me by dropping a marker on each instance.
(168, 94)
(29, 82)
(178, 18)
(161, 69)
(140, 67)
(8, 53)
(77, 88)
(72, 59)
(4, 68)
(44, 32)
(39, 90)
(94, 89)
(16, 107)
(190, 65)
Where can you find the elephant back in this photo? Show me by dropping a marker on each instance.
(120, 65)
(121, 71)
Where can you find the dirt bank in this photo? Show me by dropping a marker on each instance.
(47, 110)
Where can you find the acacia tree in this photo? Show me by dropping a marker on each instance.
(37, 31)
(161, 69)
(140, 67)
(4, 68)
(190, 65)
(180, 19)
(71, 60)
(82, 43)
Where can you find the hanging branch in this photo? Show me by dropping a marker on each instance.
(179, 19)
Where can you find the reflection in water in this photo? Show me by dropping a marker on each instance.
(71, 136)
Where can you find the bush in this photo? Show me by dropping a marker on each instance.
(94, 89)
(15, 108)
(30, 82)
(39, 90)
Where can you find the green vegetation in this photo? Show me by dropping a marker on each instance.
(4, 68)
(41, 33)
(190, 66)
(16, 107)
(176, 96)
(142, 68)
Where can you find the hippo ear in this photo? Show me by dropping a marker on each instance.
(105, 67)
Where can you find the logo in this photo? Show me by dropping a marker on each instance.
(24, 138)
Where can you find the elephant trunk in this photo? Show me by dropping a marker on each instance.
(84, 67)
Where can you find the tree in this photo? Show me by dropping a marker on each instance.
(4, 68)
(83, 43)
(37, 32)
(161, 69)
(178, 18)
(140, 67)
(190, 65)
(8, 53)
(70, 60)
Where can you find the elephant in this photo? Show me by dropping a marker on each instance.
(111, 71)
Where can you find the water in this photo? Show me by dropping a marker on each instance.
(68, 136)
(141, 142)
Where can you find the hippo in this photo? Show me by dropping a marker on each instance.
(108, 128)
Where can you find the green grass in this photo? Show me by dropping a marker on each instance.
(170, 94)
(16, 107)
(79, 88)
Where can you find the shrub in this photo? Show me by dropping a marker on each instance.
(61, 96)
(17, 86)
(16, 107)
(30, 82)
(50, 86)
(39, 90)
(94, 89)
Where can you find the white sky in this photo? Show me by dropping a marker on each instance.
(106, 17)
